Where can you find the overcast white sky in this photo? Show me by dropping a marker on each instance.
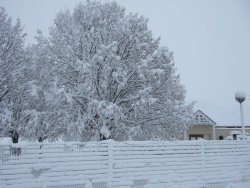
(210, 40)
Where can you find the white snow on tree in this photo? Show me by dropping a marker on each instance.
(118, 82)
(46, 115)
(99, 75)
(14, 75)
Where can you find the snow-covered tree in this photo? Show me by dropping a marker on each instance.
(14, 75)
(115, 79)
(45, 112)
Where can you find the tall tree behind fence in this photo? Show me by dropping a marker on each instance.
(125, 164)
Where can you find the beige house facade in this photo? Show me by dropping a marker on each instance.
(205, 128)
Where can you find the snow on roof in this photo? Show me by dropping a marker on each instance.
(227, 125)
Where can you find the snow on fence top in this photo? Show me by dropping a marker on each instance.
(125, 164)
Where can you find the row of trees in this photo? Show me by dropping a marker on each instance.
(100, 74)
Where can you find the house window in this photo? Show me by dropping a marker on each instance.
(195, 136)
(200, 119)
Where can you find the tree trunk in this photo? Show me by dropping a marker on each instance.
(40, 139)
(14, 135)
(103, 137)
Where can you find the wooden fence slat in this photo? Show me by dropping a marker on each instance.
(125, 164)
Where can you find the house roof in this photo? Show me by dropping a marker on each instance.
(202, 119)
(225, 114)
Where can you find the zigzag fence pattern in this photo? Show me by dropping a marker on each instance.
(201, 164)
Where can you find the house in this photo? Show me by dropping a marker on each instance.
(205, 128)
(223, 131)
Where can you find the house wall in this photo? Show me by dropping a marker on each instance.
(205, 130)
(226, 131)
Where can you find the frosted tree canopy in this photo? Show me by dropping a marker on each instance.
(100, 74)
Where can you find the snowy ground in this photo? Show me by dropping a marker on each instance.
(239, 185)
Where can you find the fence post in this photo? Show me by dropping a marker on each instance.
(203, 160)
(1, 154)
(110, 163)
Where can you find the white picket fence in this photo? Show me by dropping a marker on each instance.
(125, 164)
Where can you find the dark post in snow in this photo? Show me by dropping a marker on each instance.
(14, 135)
(15, 151)
(104, 137)
(240, 97)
